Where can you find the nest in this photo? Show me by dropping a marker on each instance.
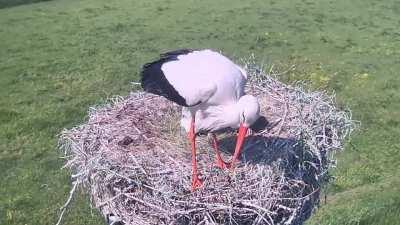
(134, 161)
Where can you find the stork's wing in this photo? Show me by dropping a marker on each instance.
(189, 77)
(154, 81)
(177, 83)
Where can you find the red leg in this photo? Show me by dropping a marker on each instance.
(239, 143)
(196, 182)
(219, 161)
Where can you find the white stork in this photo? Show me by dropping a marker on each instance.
(210, 87)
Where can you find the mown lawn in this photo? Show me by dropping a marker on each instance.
(59, 57)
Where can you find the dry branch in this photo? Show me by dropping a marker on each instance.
(132, 159)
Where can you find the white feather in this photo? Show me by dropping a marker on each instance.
(205, 76)
(214, 80)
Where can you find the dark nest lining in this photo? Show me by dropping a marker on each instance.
(134, 161)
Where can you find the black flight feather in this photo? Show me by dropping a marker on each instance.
(154, 81)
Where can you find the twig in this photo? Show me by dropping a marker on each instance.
(283, 119)
(154, 172)
(65, 206)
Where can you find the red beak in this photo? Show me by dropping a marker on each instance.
(239, 142)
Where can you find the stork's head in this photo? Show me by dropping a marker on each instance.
(248, 109)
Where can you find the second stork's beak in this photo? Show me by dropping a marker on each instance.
(239, 142)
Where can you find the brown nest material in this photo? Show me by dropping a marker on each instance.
(134, 161)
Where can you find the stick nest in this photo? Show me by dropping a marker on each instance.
(134, 161)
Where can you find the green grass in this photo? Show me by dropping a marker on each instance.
(59, 57)
(11, 3)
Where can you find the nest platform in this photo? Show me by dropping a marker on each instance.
(134, 161)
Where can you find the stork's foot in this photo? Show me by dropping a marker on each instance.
(196, 182)
(222, 164)
(232, 165)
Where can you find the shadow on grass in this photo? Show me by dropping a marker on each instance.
(12, 3)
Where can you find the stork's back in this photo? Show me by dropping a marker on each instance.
(153, 79)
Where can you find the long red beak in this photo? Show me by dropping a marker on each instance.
(239, 142)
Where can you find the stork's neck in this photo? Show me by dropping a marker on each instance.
(217, 117)
(214, 117)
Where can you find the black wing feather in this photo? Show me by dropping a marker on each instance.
(154, 81)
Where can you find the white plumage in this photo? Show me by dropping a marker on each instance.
(205, 76)
(212, 79)
(210, 87)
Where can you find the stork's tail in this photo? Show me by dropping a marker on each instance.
(154, 81)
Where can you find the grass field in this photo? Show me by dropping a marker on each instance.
(59, 57)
